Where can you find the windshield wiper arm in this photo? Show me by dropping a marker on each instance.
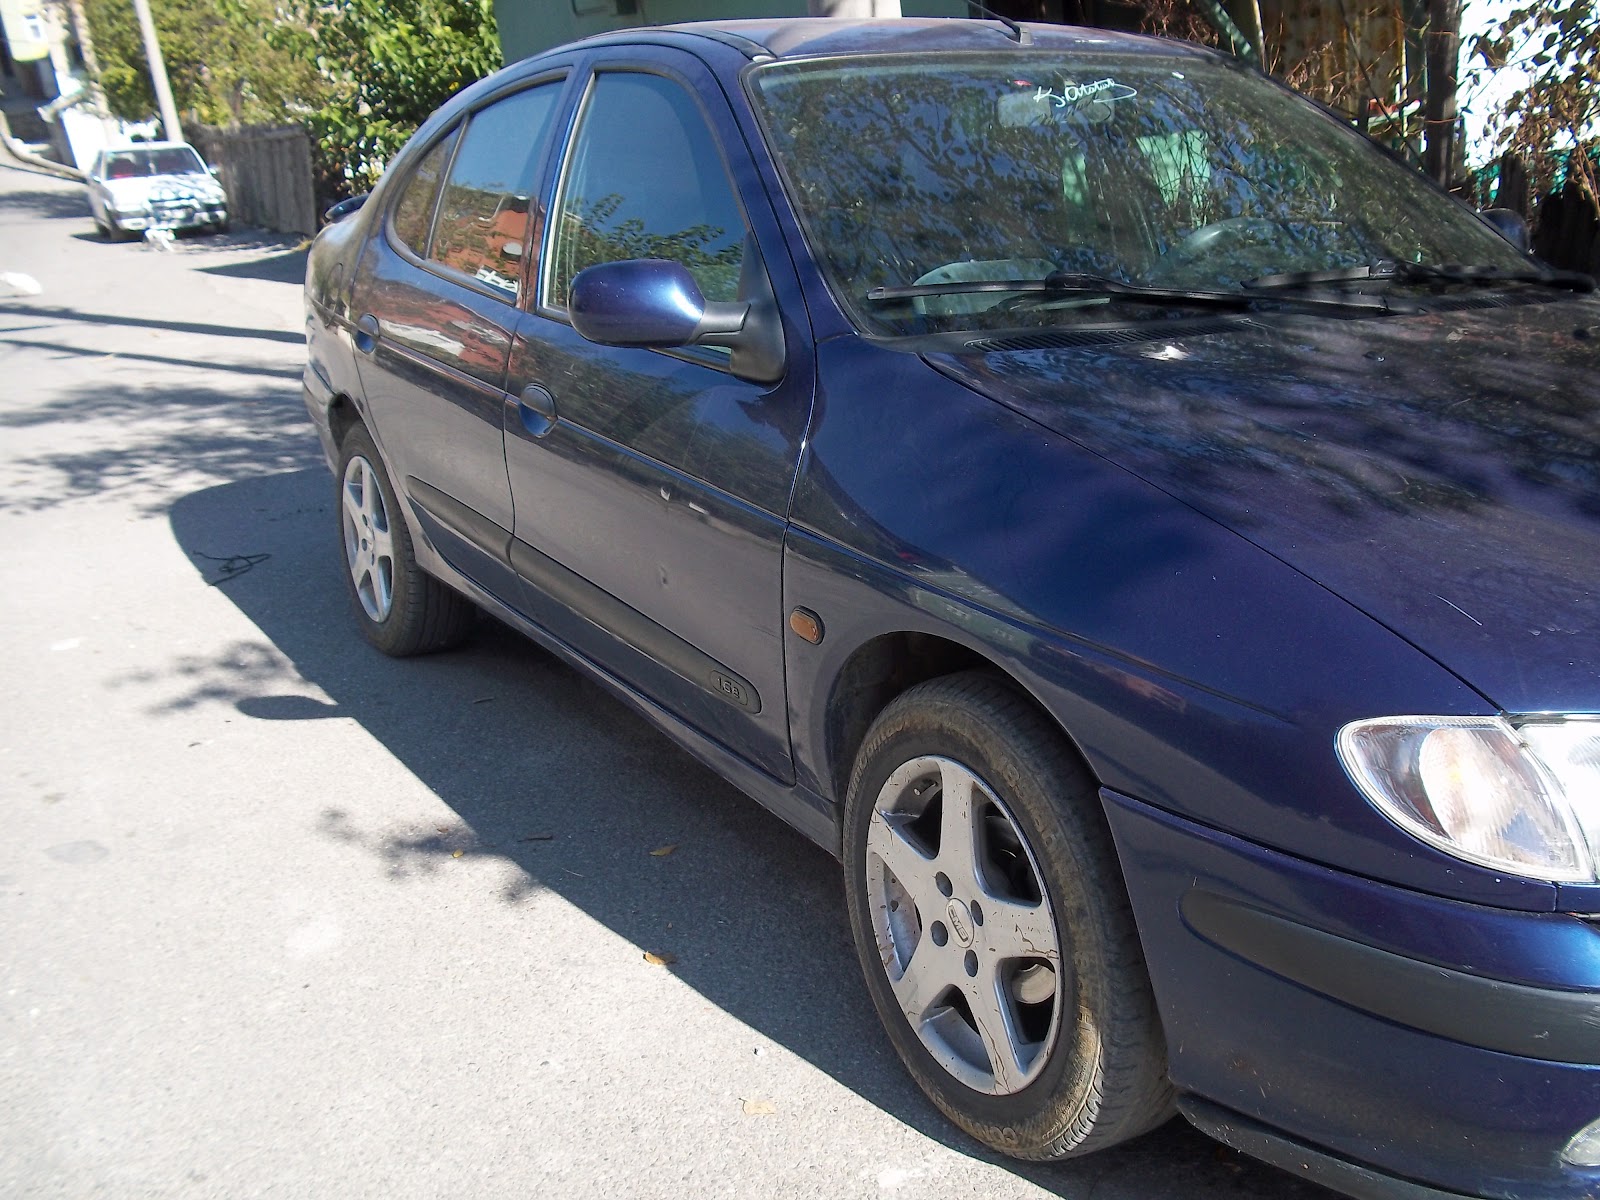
(1057, 283)
(1409, 272)
(1071, 283)
(1481, 276)
(1299, 279)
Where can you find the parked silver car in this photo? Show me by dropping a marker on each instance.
(156, 185)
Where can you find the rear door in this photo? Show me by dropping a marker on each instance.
(435, 309)
(651, 487)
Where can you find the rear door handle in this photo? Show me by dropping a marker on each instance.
(367, 334)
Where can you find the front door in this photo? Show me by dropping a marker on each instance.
(651, 487)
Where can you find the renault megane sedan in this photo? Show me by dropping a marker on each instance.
(1148, 534)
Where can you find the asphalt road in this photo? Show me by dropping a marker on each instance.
(282, 917)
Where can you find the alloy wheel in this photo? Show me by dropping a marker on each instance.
(963, 926)
(368, 542)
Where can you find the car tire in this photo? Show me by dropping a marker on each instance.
(402, 610)
(1028, 1019)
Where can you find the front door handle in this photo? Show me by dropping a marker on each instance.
(367, 334)
(536, 409)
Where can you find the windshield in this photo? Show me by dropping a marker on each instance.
(160, 160)
(1170, 173)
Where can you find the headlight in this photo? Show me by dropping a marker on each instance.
(1584, 1148)
(1520, 795)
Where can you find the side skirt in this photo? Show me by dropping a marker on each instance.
(810, 813)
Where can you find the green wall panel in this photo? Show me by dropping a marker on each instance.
(529, 26)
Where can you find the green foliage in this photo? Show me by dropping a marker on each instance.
(1558, 112)
(385, 65)
(361, 75)
(220, 69)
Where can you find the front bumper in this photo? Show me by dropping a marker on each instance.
(1408, 1045)
(183, 216)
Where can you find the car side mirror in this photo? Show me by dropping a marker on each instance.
(344, 208)
(654, 303)
(1510, 225)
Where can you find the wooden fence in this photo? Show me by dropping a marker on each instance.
(1566, 227)
(266, 171)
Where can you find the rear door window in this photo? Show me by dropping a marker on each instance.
(482, 227)
(482, 224)
(413, 214)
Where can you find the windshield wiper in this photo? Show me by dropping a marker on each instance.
(1072, 283)
(1410, 272)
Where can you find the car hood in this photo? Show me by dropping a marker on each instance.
(1441, 471)
(129, 193)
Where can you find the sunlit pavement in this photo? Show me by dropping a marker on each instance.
(279, 916)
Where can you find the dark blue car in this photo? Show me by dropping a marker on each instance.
(1152, 537)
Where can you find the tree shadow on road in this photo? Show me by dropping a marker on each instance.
(129, 356)
(551, 773)
(288, 266)
(143, 443)
(71, 202)
(57, 313)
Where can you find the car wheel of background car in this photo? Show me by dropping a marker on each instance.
(402, 609)
(992, 924)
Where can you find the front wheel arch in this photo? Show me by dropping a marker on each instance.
(884, 667)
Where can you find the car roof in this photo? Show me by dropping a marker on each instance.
(804, 37)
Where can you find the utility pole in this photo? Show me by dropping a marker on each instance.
(158, 72)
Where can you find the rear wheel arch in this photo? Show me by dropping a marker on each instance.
(342, 417)
(400, 608)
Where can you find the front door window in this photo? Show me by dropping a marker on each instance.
(645, 180)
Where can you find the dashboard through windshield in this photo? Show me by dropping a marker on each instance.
(1161, 172)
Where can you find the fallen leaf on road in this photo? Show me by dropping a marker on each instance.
(457, 853)
(759, 1108)
(663, 851)
(659, 960)
(444, 828)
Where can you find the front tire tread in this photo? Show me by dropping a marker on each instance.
(1127, 1092)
